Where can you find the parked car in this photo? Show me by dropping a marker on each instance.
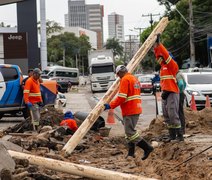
(146, 83)
(61, 99)
(200, 85)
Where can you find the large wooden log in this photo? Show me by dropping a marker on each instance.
(97, 110)
(76, 169)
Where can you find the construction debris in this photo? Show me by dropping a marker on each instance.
(109, 152)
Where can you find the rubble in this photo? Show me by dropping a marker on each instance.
(109, 152)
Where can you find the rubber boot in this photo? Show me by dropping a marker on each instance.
(146, 147)
(131, 150)
(172, 134)
(179, 134)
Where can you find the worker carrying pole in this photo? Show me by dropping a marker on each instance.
(129, 99)
(170, 90)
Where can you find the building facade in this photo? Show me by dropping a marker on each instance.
(86, 16)
(116, 26)
(78, 31)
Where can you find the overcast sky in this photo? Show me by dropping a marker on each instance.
(132, 11)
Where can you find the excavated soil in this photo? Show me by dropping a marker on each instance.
(109, 153)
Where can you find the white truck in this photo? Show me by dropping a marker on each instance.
(101, 69)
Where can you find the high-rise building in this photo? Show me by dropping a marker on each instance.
(116, 26)
(86, 16)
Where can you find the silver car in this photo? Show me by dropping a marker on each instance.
(200, 85)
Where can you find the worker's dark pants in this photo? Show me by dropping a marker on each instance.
(130, 123)
(181, 112)
(170, 107)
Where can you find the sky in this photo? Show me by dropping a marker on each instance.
(132, 10)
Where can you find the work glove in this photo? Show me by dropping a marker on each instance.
(165, 95)
(107, 106)
(29, 105)
(158, 38)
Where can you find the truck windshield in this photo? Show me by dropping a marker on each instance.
(102, 69)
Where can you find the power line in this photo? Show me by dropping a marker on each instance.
(151, 18)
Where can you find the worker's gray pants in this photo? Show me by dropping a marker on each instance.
(170, 108)
(130, 123)
(35, 113)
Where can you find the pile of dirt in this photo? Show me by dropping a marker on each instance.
(51, 116)
(110, 153)
(196, 122)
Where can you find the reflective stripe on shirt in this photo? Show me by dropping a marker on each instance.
(122, 95)
(130, 98)
(34, 94)
(168, 59)
(168, 77)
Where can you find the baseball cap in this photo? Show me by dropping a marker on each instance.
(121, 68)
(37, 70)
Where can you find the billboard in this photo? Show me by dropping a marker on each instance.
(15, 45)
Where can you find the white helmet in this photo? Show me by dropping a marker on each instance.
(121, 68)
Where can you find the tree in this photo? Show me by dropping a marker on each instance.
(176, 36)
(51, 27)
(115, 46)
(68, 46)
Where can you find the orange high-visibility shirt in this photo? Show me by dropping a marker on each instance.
(71, 123)
(32, 91)
(168, 71)
(129, 97)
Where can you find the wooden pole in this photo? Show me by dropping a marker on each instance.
(76, 169)
(97, 110)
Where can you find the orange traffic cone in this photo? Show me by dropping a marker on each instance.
(193, 104)
(207, 102)
(110, 117)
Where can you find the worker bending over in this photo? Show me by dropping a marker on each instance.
(69, 122)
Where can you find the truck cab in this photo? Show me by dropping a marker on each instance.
(101, 72)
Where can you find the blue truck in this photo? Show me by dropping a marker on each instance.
(11, 91)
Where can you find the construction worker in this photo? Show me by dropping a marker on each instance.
(69, 121)
(129, 100)
(30, 72)
(181, 85)
(170, 90)
(32, 95)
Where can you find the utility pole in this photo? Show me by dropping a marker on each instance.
(151, 23)
(191, 29)
(139, 34)
(151, 19)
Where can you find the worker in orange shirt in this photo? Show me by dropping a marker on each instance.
(129, 99)
(170, 90)
(69, 122)
(32, 95)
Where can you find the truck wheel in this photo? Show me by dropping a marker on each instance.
(25, 113)
(1, 115)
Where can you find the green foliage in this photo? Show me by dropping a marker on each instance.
(51, 27)
(115, 46)
(176, 35)
(71, 46)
